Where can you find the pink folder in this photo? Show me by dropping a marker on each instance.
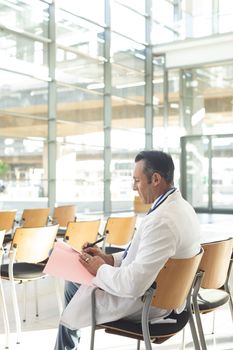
(64, 263)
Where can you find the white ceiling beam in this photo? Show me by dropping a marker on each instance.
(195, 52)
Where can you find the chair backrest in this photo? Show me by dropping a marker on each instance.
(2, 235)
(139, 206)
(120, 230)
(79, 232)
(62, 215)
(215, 263)
(7, 219)
(36, 217)
(174, 281)
(34, 244)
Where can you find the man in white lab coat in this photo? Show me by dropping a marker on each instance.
(170, 229)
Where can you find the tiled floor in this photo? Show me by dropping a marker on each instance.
(39, 333)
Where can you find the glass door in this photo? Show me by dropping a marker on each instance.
(195, 171)
(207, 172)
(222, 172)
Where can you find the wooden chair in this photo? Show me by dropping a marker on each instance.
(29, 247)
(2, 296)
(37, 217)
(79, 232)
(7, 221)
(216, 266)
(119, 231)
(62, 215)
(173, 286)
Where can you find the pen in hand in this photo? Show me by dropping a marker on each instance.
(89, 245)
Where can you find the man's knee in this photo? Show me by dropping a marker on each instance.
(69, 290)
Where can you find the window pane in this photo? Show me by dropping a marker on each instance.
(136, 29)
(128, 84)
(24, 55)
(22, 170)
(80, 171)
(93, 10)
(197, 171)
(138, 5)
(222, 172)
(225, 16)
(26, 15)
(207, 99)
(21, 95)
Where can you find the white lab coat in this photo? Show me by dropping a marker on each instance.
(172, 230)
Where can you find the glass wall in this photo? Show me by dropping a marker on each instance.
(57, 124)
(128, 134)
(185, 19)
(207, 99)
(81, 94)
(80, 85)
(23, 104)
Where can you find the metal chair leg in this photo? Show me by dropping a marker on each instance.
(227, 287)
(16, 312)
(5, 317)
(199, 325)
(13, 294)
(194, 333)
(24, 301)
(213, 323)
(231, 305)
(145, 319)
(183, 339)
(36, 299)
(93, 320)
(193, 294)
(138, 344)
(58, 294)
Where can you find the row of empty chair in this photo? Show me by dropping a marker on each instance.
(37, 217)
(118, 230)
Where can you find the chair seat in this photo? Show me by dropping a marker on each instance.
(61, 232)
(209, 299)
(128, 328)
(23, 271)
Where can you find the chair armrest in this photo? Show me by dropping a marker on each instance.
(147, 299)
(194, 291)
(226, 284)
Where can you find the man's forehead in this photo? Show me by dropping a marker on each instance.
(138, 167)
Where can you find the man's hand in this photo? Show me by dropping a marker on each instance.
(91, 263)
(97, 252)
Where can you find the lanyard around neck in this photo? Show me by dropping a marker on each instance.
(161, 199)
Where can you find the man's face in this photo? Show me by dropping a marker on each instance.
(145, 189)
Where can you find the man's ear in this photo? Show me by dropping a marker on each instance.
(156, 178)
